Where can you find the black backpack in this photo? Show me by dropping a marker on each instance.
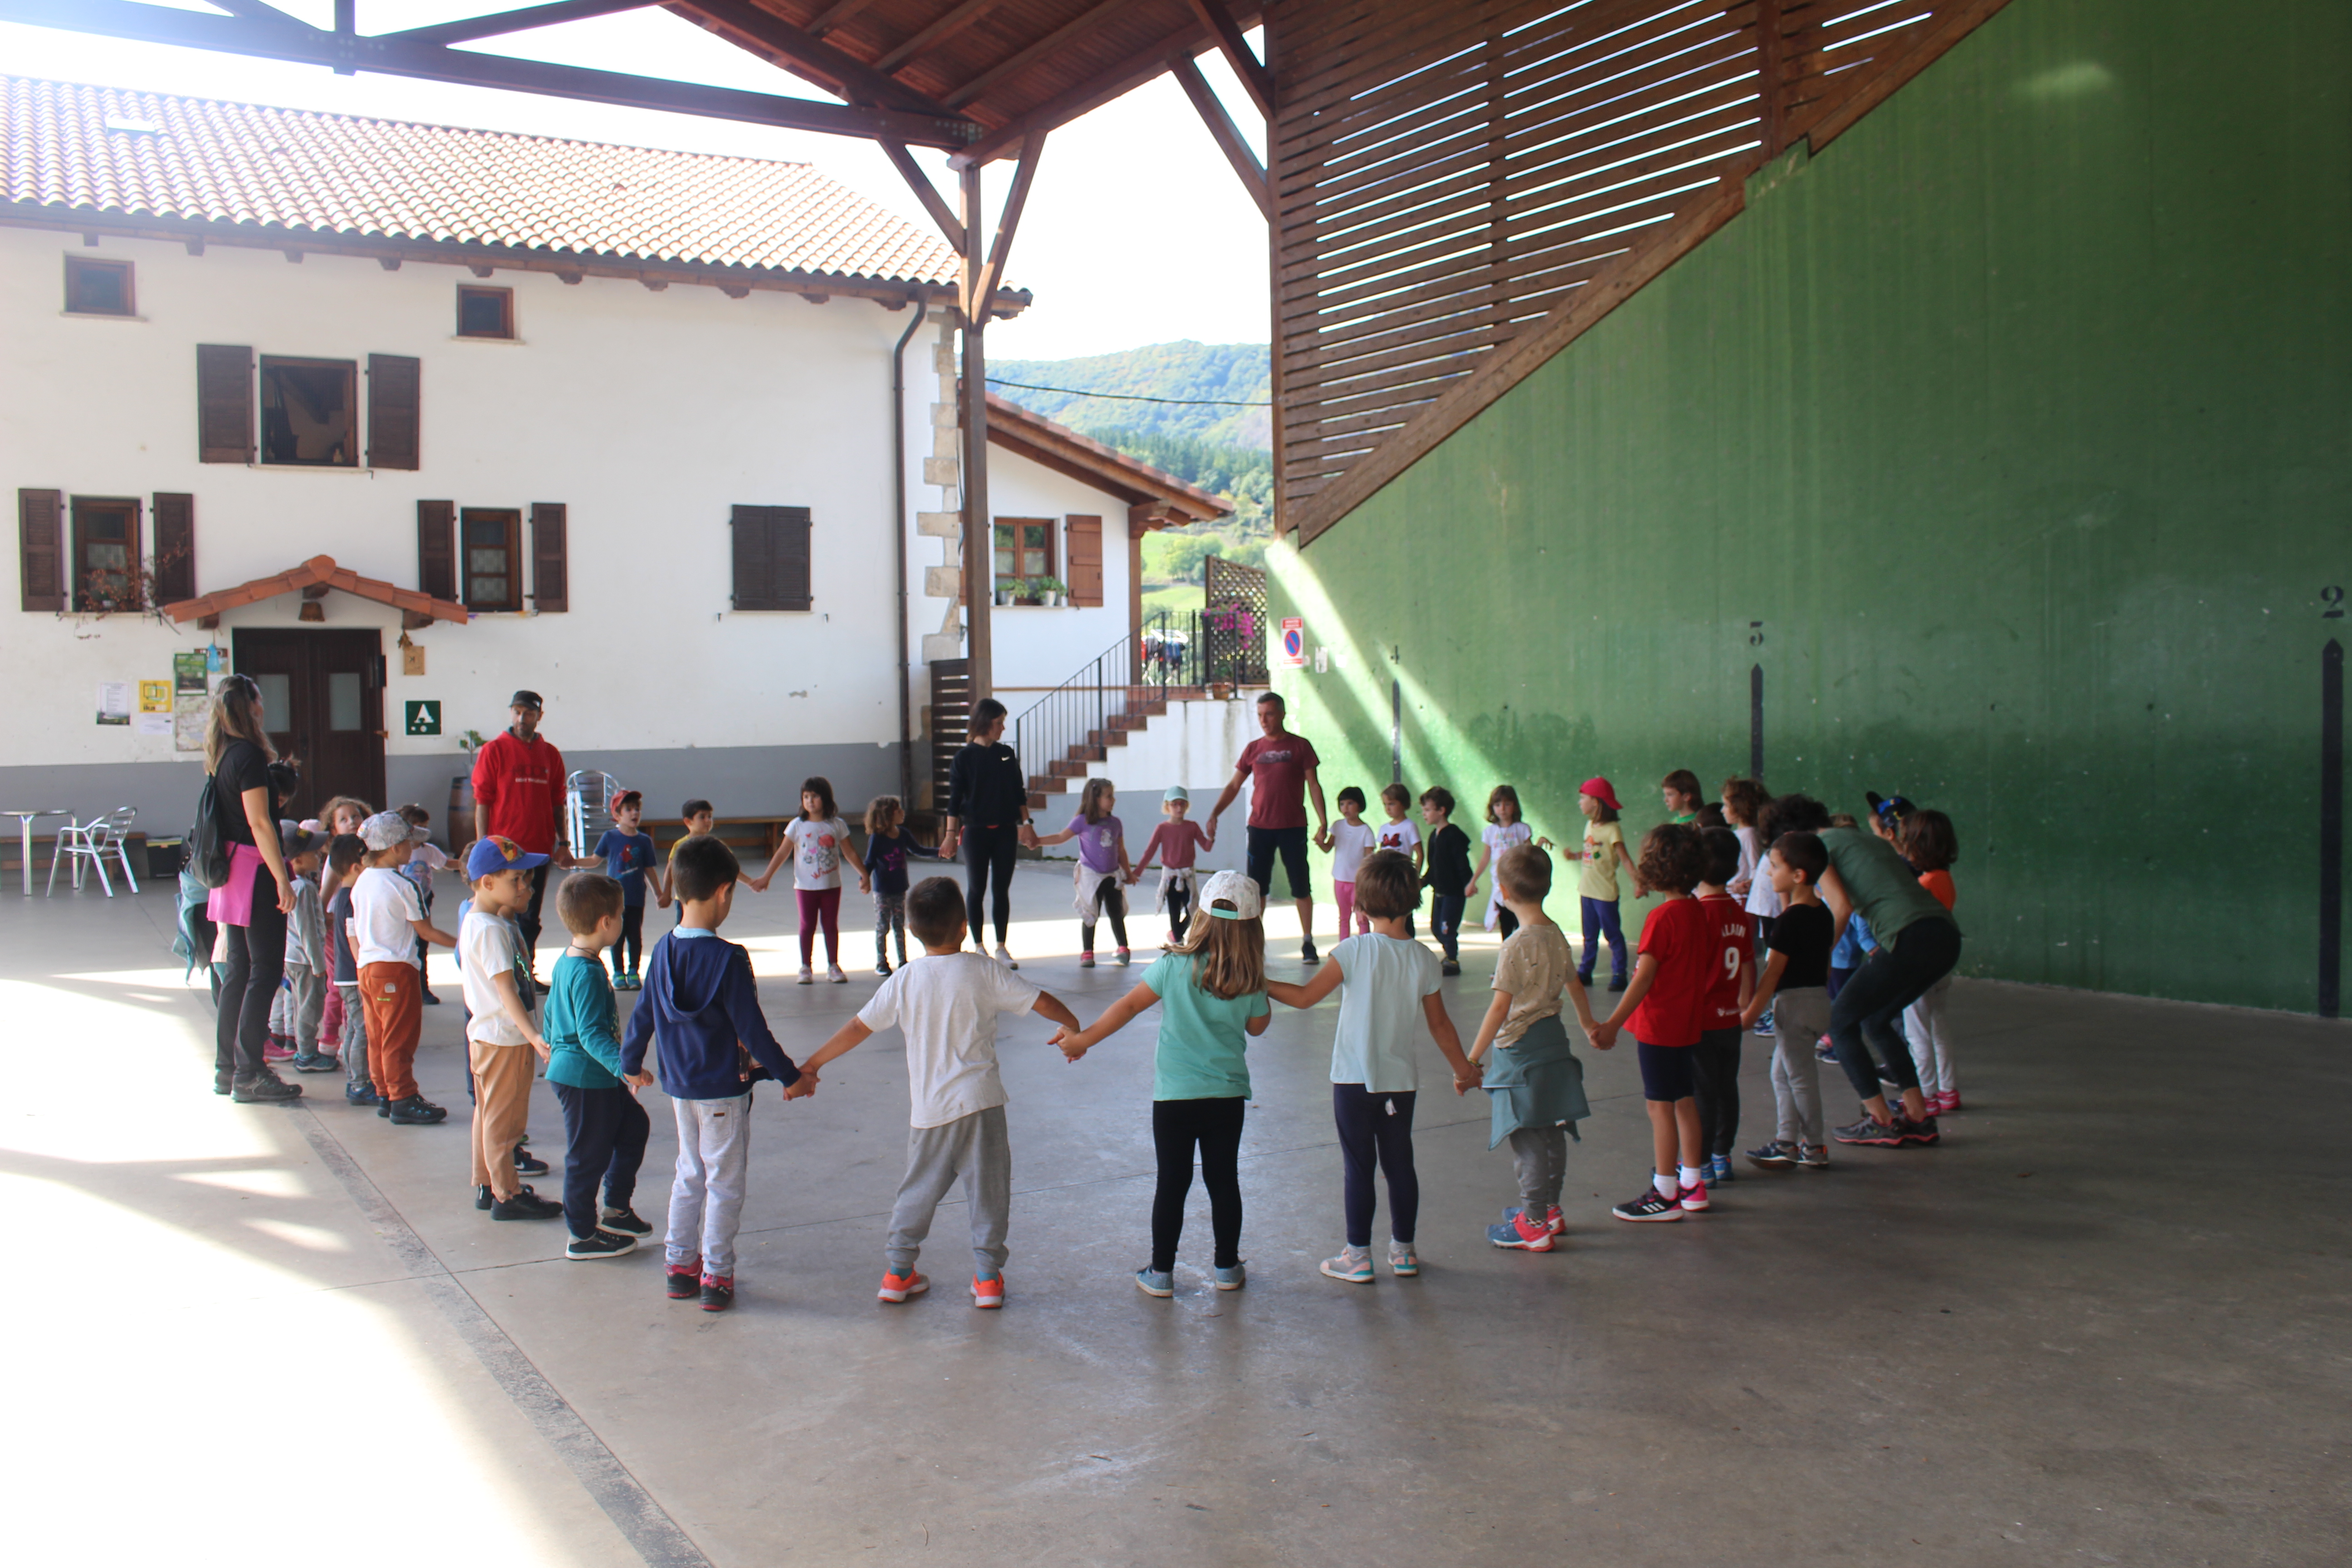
(208, 845)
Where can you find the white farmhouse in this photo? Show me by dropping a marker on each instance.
(403, 418)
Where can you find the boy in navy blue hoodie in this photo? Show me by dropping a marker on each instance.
(700, 1004)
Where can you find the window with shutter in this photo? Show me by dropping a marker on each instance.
(105, 567)
(1024, 549)
(436, 548)
(175, 549)
(224, 403)
(551, 567)
(489, 544)
(771, 558)
(309, 412)
(1085, 580)
(40, 551)
(393, 422)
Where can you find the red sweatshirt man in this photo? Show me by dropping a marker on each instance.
(518, 795)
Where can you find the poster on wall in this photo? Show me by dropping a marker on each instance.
(154, 697)
(188, 672)
(152, 724)
(190, 719)
(114, 703)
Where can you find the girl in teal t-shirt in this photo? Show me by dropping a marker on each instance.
(1212, 993)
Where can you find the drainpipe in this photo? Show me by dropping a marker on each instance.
(898, 528)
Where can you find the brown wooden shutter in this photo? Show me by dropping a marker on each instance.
(1086, 562)
(394, 417)
(790, 532)
(224, 403)
(40, 547)
(755, 584)
(550, 573)
(436, 548)
(175, 549)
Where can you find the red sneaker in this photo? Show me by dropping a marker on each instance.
(717, 1293)
(273, 1051)
(1552, 1218)
(899, 1286)
(684, 1281)
(1693, 1198)
(988, 1292)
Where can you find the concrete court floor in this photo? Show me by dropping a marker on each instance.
(2103, 1323)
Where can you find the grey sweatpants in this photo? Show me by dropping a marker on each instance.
(305, 1001)
(973, 1148)
(355, 1042)
(1802, 1018)
(706, 1201)
(1539, 1155)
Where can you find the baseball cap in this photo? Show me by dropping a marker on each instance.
(1888, 807)
(1236, 889)
(388, 830)
(494, 853)
(1599, 789)
(526, 700)
(296, 839)
(1177, 792)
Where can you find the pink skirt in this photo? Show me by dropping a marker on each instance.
(231, 904)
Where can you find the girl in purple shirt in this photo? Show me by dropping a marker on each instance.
(1102, 872)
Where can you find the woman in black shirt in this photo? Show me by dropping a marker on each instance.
(988, 807)
(253, 904)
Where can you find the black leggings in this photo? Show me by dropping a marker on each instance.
(631, 948)
(1215, 1125)
(1179, 904)
(1377, 1128)
(988, 859)
(248, 982)
(1867, 1014)
(1112, 900)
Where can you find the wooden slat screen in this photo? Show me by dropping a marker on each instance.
(1448, 175)
(950, 720)
(551, 558)
(771, 556)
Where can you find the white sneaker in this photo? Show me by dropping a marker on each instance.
(833, 972)
(808, 975)
(1004, 956)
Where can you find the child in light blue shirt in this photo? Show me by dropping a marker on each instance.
(1388, 996)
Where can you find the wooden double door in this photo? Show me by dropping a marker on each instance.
(322, 703)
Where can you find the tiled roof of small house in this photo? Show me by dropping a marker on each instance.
(69, 149)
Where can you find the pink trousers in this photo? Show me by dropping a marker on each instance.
(820, 904)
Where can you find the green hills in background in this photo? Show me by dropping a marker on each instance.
(1177, 416)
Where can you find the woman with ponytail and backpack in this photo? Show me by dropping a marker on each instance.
(252, 904)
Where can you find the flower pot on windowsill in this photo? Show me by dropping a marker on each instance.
(1220, 691)
(1003, 596)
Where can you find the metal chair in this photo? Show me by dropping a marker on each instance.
(80, 841)
(588, 797)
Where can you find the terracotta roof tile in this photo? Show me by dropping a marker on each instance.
(64, 145)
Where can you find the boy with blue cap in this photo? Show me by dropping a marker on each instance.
(498, 1026)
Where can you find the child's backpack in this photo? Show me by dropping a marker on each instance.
(208, 845)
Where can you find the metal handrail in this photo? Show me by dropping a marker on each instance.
(1170, 651)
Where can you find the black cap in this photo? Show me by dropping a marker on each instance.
(527, 699)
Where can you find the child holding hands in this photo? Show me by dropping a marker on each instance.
(1388, 993)
(1103, 871)
(1214, 990)
(1535, 1082)
(1348, 842)
(1663, 1009)
(1177, 842)
(494, 972)
(604, 1128)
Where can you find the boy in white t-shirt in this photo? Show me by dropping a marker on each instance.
(947, 1002)
(499, 1034)
(1348, 842)
(387, 919)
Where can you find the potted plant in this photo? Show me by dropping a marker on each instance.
(1048, 590)
(1003, 593)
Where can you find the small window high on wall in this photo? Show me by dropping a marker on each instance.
(309, 412)
(485, 312)
(490, 549)
(1024, 549)
(95, 287)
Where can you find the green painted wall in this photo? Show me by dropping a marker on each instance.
(2020, 418)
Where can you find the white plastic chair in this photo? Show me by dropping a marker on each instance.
(80, 841)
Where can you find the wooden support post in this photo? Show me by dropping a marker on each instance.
(1228, 135)
(1025, 174)
(1255, 78)
(1770, 65)
(979, 531)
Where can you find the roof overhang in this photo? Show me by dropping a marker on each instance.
(1154, 499)
(313, 579)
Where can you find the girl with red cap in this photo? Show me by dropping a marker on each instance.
(1604, 848)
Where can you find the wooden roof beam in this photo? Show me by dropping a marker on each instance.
(390, 56)
(937, 33)
(836, 16)
(807, 54)
(523, 19)
(1256, 77)
(1024, 173)
(925, 192)
(1060, 110)
(1228, 135)
(1078, 26)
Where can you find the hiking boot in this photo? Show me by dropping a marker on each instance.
(416, 1112)
(264, 1088)
(223, 1082)
(360, 1094)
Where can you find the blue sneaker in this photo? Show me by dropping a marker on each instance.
(1764, 1029)
(1519, 1232)
(1719, 1167)
(1353, 1265)
(1155, 1282)
(356, 1094)
(1231, 1278)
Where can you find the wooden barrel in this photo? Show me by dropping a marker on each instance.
(460, 819)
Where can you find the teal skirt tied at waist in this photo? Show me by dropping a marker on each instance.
(1535, 1081)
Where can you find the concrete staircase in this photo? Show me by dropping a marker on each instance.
(1140, 705)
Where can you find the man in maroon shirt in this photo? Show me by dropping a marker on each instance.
(518, 795)
(1281, 769)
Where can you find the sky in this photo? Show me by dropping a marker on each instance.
(1137, 231)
